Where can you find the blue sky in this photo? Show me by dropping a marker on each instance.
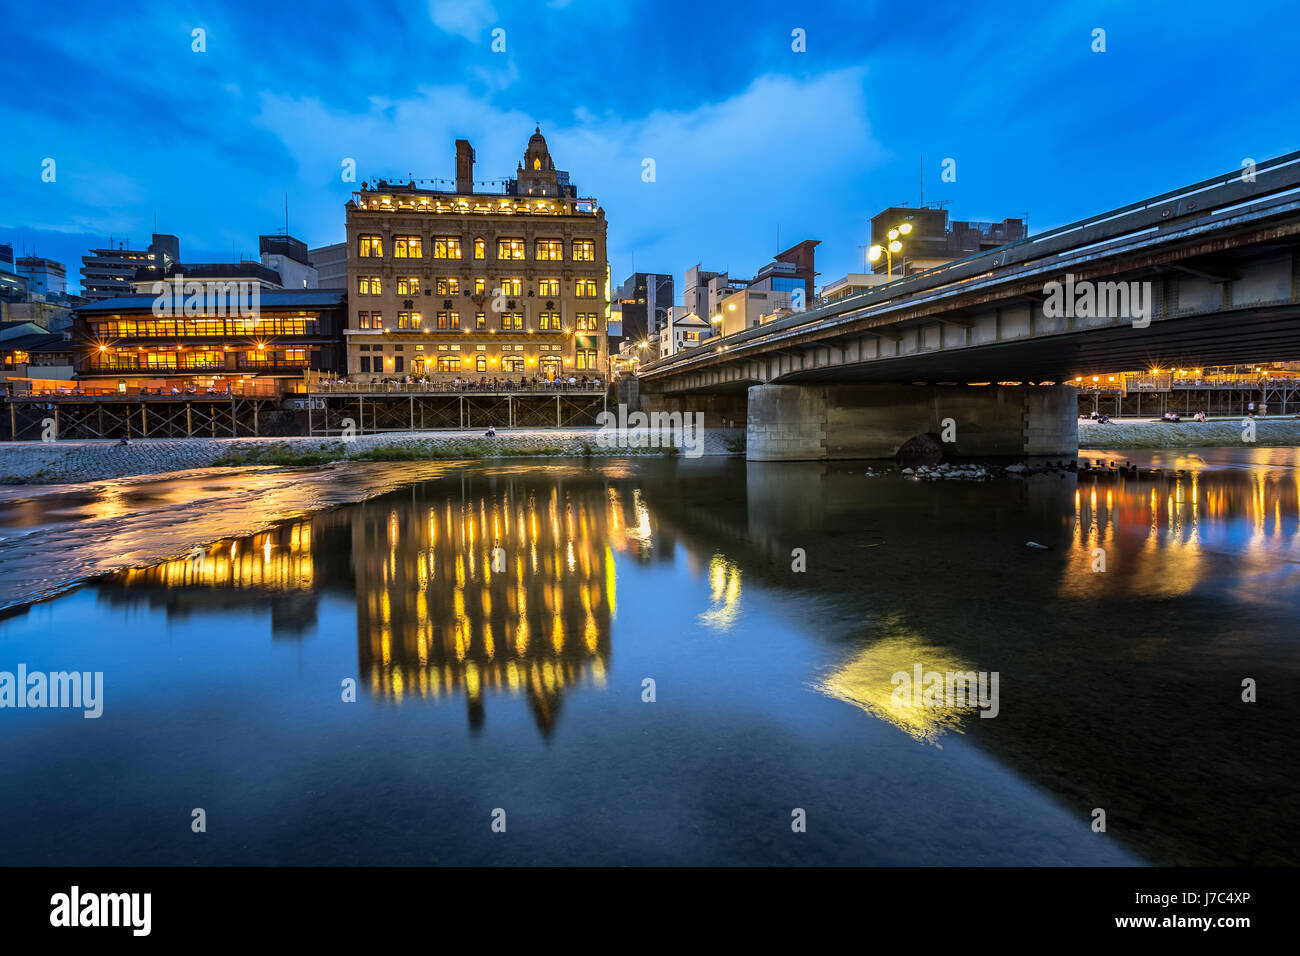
(748, 136)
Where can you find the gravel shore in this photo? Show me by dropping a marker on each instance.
(72, 461)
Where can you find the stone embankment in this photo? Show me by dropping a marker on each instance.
(1186, 434)
(74, 461)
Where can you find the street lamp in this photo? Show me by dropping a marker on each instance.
(895, 244)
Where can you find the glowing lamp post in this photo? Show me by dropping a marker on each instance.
(895, 244)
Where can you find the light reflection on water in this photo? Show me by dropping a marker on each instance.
(527, 604)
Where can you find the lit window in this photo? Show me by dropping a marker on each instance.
(584, 250)
(510, 248)
(586, 321)
(513, 321)
(447, 285)
(446, 247)
(480, 249)
(586, 359)
(549, 322)
(586, 288)
(408, 286)
(480, 286)
(407, 247)
(513, 287)
(448, 320)
(480, 320)
(369, 285)
(409, 320)
(548, 288)
(370, 247)
(550, 250)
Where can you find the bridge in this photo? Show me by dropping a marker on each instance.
(1204, 275)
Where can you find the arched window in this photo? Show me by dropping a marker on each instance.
(480, 249)
(537, 162)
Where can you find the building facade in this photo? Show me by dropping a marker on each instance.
(45, 277)
(477, 285)
(645, 298)
(288, 257)
(684, 330)
(208, 340)
(109, 272)
(331, 265)
(935, 240)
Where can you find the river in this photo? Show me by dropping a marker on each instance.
(657, 662)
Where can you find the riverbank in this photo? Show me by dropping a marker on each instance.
(1156, 434)
(23, 463)
(73, 461)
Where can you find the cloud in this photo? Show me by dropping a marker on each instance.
(465, 18)
(779, 153)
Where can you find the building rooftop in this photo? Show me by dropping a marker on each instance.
(411, 199)
(37, 342)
(287, 299)
(209, 270)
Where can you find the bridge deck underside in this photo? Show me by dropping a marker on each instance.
(1217, 339)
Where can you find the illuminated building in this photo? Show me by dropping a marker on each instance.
(472, 284)
(125, 345)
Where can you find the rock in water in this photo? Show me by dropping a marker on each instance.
(1036, 546)
(923, 449)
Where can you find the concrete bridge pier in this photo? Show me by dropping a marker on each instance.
(822, 422)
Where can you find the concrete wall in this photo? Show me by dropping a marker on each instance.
(815, 422)
(724, 410)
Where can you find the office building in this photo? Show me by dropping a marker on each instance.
(45, 277)
(109, 272)
(473, 284)
(645, 298)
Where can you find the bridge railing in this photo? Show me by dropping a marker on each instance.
(450, 388)
(1219, 193)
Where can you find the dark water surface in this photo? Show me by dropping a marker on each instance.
(519, 686)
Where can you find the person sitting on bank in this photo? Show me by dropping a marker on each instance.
(491, 432)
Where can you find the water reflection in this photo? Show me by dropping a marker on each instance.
(1119, 681)
(505, 589)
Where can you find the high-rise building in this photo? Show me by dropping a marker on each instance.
(44, 276)
(471, 284)
(109, 272)
(645, 298)
(13, 287)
